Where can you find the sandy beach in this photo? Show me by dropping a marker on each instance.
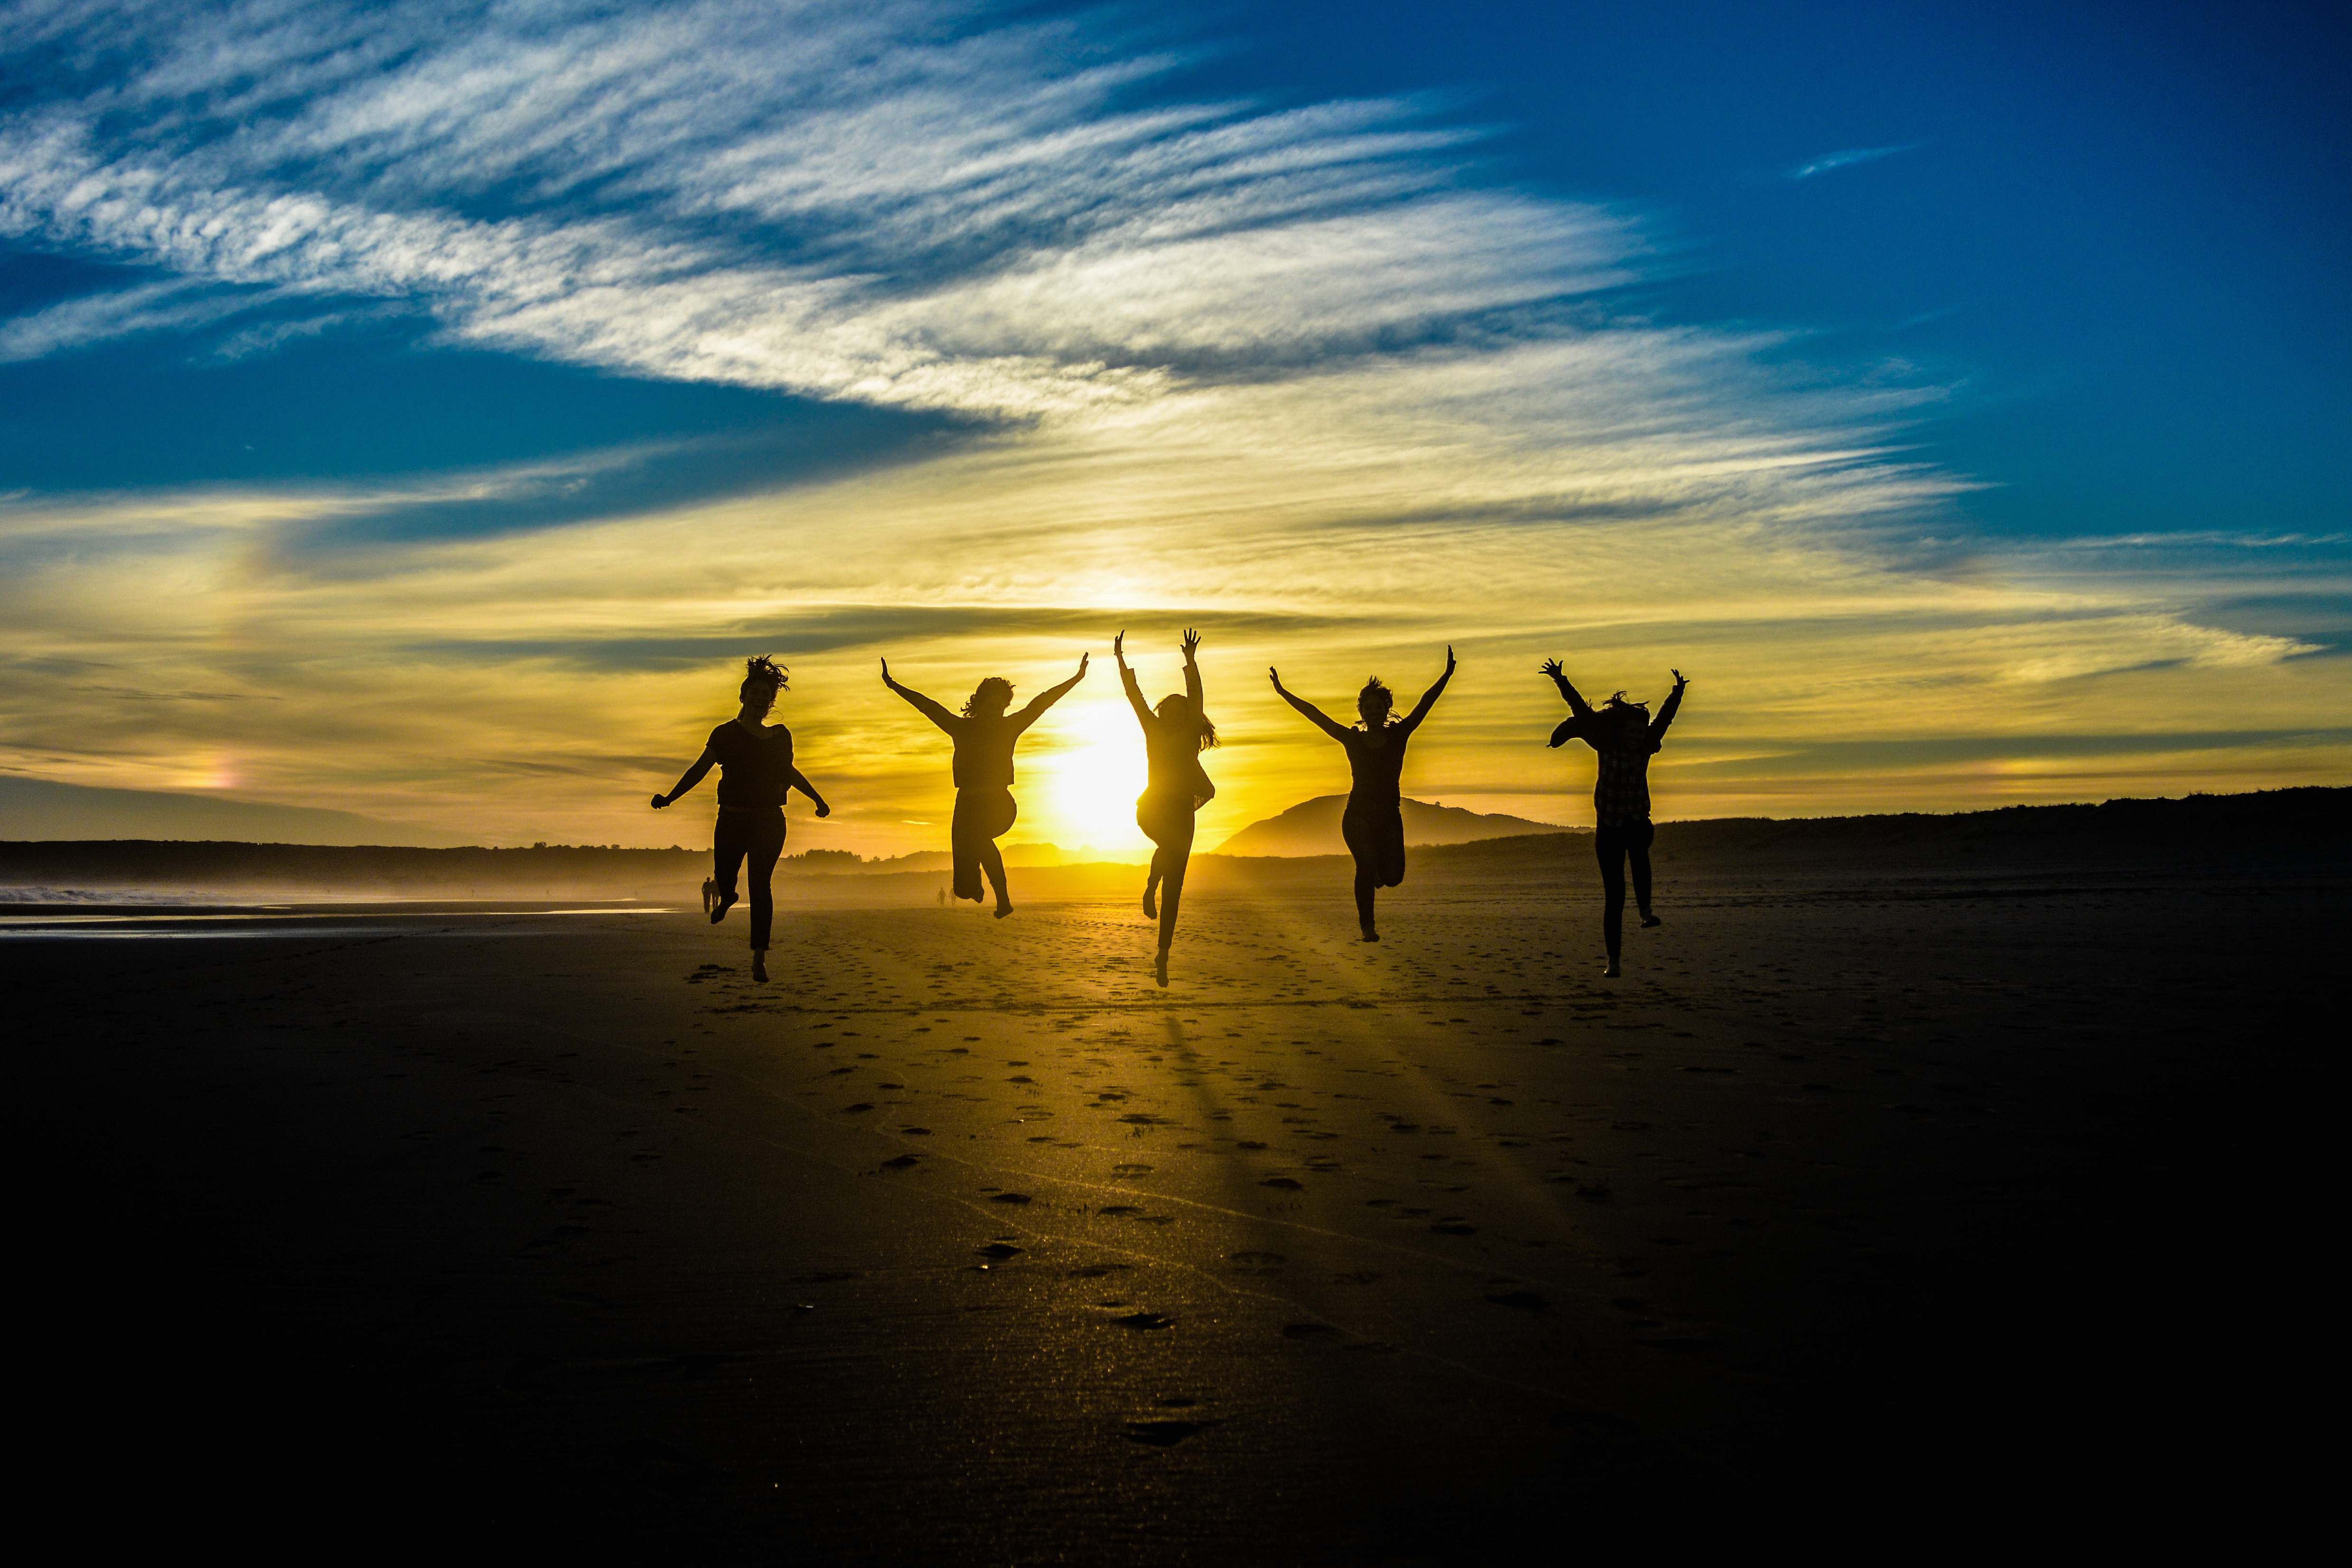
(1972, 1207)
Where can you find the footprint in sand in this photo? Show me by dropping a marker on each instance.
(1166, 1433)
(1284, 1183)
(1256, 1262)
(1120, 1211)
(1315, 1333)
(1130, 1170)
(901, 1163)
(1010, 1198)
(1143, 1321)
(998, 1251)
(1526, 1300)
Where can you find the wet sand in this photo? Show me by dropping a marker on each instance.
(1981, 1208)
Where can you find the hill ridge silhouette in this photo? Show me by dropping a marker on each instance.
(2304, 831)
(1312, 827)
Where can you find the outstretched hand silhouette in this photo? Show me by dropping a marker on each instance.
(1551, 667)
(1681, 680)
(1275, 675)
(1118, 647)
(660, 802)
(1191, 642)
(1082, 663)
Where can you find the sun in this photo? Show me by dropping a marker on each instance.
(1091, 780)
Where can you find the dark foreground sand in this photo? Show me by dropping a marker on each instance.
(1880, 1220)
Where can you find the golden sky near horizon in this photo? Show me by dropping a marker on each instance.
(1338, 530)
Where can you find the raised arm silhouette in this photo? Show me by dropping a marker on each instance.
(1626, 737)
(1176, 785)
(984, 735)
(756, 771)
(1373, 823)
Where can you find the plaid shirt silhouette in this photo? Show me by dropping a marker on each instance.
(1620, 795)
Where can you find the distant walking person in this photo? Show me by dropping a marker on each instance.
(984, 734)
(1373, 823)
(1626, 737)
(755, 772)
(1176, 785)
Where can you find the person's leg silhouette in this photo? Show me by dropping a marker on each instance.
(730, 840)
(1609, 845)
(1637, 849)
(766, 845)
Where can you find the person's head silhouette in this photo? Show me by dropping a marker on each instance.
(1177, 708)
(762, 679)
(1374, 703)
(990, 698)
(1625, 715)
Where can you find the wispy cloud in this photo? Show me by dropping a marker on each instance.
(1829, 162)
(175, 305)
(896, 205)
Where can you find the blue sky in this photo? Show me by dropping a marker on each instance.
(1936, 360)
(2120, 233)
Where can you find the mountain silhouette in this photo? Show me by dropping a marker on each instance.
(1312, 827)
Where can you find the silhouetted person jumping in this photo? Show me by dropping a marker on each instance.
(755, 772)
(1373, 823)
(1174, 735)
(1626, 737)
(984, 734)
